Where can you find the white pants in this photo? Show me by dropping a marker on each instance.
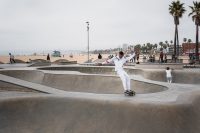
(125, 79)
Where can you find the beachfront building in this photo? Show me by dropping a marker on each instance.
(56, 53)
(189, 48)
(125, 47)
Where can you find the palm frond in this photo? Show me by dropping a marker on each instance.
(195, 11)
(177, 9)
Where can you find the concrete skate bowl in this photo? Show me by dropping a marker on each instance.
(64, 62)
(83, 83)
(179, 76)
(51, 114)
(82, 69)
(8, 87)
(95, 113)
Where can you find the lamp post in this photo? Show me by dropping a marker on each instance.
(88, 28)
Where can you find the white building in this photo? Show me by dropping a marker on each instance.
(125, 47)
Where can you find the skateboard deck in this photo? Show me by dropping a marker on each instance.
(130, 94)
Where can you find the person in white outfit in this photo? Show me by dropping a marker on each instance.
(119, 62)
(169, 75)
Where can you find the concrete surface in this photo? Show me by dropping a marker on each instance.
(184, 76)
(175, 109)
(64, 62)
(4, 86)
(82, 83)
(160, 65)
(56, 114)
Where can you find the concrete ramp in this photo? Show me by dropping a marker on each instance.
(188, 76)
(73, 102)
(83, 82)
(51, 114)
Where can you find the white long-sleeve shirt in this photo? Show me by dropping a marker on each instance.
(120, 62)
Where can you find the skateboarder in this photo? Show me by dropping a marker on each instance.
(119, 61)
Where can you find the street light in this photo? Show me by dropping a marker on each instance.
(88, 41)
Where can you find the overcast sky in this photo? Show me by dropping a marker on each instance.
(60, 24)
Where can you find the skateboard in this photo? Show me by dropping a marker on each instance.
(132, 93)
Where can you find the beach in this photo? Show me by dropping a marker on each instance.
(80, 58)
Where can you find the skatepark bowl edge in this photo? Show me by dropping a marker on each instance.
(85, 99)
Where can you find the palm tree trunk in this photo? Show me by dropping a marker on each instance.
(175, 41)
(197, 42)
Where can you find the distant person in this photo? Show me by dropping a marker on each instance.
(192, 59)
(138, 57)
(48, 58)
(169, 75)
(12, 58)
(132, 59)
(190, 56)
(119, 62)
(151, 58)
(165, 58)
(144, 58)
(154, 58)
(173, 58)
(193, 56)
(99, 56)
(161, 56)
(71, 55)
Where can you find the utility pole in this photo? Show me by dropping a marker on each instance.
(88, 28)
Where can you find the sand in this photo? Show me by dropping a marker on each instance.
(80, 58)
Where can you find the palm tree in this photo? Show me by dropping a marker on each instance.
(149, 46)
(155, 46)
(176, 9)
(189, 41)
(171, 42)
(161, 44)
(138, 47)
(184, 40)
(167, 43)
(143, 49)
(165, 46)
(195, 13)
